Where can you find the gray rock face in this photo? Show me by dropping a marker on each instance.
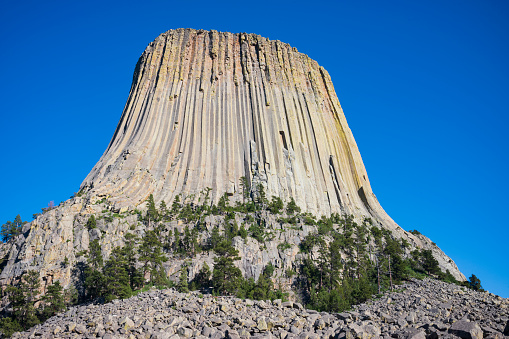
(168, 314)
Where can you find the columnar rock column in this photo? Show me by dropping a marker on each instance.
(207, 108)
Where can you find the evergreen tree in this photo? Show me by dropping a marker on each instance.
(94, 279)
(11, 229)
(291, 207)
(244, 183)
(152, 257)
(226, 276)
(91, 222)
(276, 205)
(94, 282)
(116, 276)
(23, 299)
(429, 263)
(190, 242)
(335, 265)
(399, 269)
(53, 300)
(224, 203)
(243, 232)
(202, 279)
(264, 288)
(163, 210)
(207, 197)
(177, 246)
(129, 252)
(6, 232)
(475, 283)
(175, 206)
(261, 199)
(152, 215)
(183, 286)
(95, 257)
(214, 239)
(8, 326)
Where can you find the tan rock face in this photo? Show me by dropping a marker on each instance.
(207, 108)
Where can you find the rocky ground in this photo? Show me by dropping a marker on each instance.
(417, 309)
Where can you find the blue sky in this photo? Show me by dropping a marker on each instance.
(424, 86)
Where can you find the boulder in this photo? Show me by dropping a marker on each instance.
(466, 330)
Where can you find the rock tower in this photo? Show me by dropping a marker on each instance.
(207, 107)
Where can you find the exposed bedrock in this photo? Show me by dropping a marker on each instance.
(207, 108)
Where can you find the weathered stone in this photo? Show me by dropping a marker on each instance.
(184, 332)
(80, 328)
(261, 324)
(412, 333)
(71, 327)
(466, 330)
(126, 323)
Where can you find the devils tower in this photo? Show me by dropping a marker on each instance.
(206, 108)
(207, 113)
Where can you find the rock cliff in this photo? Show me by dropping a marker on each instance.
(205, 109)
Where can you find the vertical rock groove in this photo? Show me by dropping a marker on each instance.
(206, 108)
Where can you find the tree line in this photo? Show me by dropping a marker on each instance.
(344, 262)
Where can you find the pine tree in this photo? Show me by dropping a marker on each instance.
(91, 222)
(163, 210)
(11, 229)
(8, 326)
(94, 282)
(175, 206)
(276, 205)
(95, 257)
(202, 279)
(398, 268)
(176, 243)
(54, 300)
(429, 263)
(116, 277)
(243, 232)
(244, 183)
(129, 252)
(224, 203)
(190, 241)
(291, 207)
(335, 264)
(152, 215)
(94, 279)
(215, 238)
(23, 299)
(475, 283)
(226, 276)
(6, 232)
(183, 286)
(152, 257)
(261, 199)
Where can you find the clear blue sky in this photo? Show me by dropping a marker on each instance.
(424, 86)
